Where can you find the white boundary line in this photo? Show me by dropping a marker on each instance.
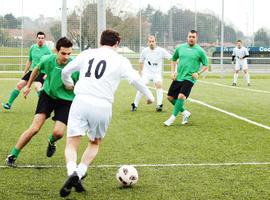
(233, 87)
(225, 112)
(230, 114)
(9, 79)
(149, 165)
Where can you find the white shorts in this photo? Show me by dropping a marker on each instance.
(89, 116)
(241, 65)
(151, 76)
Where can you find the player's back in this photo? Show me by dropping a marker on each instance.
(101, 70)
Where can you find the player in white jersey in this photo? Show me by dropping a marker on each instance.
(151, 66)
(240, 53)
(100, 72)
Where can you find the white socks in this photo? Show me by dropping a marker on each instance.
(81, 170)
(247, 78)
(159, 96)
(72, 167)
(139, 95)
(235, 77)
(138, 98)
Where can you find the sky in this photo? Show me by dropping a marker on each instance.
(236, 12)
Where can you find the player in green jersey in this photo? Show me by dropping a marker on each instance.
(192, 61)
(54, 97)
(35, 53)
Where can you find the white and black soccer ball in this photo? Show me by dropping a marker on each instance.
(127, 175)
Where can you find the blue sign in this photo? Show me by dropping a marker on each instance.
(250, 49)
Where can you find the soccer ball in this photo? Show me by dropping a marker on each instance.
(127, 175)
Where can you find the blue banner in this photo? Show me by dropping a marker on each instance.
(250, 49)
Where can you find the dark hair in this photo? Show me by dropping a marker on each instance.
(40, 33)
(110, 37)
(193, 31)
(239, 41)
(63, 42)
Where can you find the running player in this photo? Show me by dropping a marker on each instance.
(190, 56)
(151, 67)
(101, 70)
(54, 97)
(35, 53)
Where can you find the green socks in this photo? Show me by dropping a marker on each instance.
(173, 101)
(52, 139)
(39, 92)
(15, 152)
(13, 96)
(178, 107)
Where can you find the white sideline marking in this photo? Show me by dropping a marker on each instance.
(225, 112)
(233, 87)
(229, 113)
(149, 165)
(9, 79)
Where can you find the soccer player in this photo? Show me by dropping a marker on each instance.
(35, 53)
(151, 66)
(241, 54)
(54, 97)
(190, 56)
(100, 72)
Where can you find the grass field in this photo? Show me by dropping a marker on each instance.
(201, 150)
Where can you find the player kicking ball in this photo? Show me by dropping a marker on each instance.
(90, 114)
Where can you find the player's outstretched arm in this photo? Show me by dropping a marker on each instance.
(173, 71)
(140, 86)
(68, 70)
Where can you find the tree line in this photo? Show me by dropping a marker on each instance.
(169, 28)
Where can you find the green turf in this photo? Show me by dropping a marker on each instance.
(141, 138)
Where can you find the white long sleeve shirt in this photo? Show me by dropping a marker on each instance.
(101, 70)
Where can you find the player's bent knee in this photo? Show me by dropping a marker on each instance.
(181, 96)
(19, 86)
(59, 134)
(95, 142)
(170, 98)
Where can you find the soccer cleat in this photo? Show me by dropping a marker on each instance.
(79, 187)
(10, 161)
(234, 84)
(6, 106)
(133, 107)
(169, 121)
(159, 108)
(51, 149)
(186, 116)
(72, 180)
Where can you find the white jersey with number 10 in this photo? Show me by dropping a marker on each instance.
(101, 70)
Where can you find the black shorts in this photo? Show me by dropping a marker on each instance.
(46, 105)
(40, 77)
(178, 87)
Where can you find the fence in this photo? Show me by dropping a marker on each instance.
(169, 21)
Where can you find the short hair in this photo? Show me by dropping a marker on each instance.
(194, 31)
(63, 42)
(110, 37)
(41, 33)
(239, 41)
(151, 36)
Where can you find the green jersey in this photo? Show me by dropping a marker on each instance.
(36, 53)
(189, 59)
(53, 85)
